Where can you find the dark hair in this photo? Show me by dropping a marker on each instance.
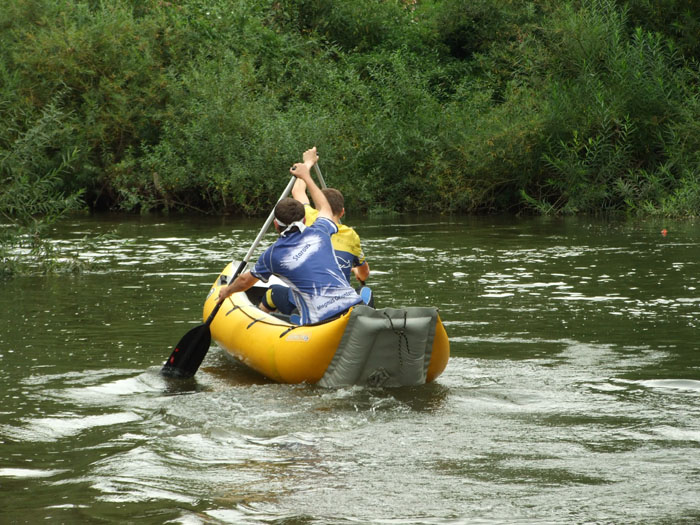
(335, 199)
(289, 210)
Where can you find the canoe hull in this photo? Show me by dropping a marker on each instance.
(288, 353)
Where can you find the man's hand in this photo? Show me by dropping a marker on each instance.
(361, 272)
(242, 283)
(224, 292)
(301, 171)
(310, 157)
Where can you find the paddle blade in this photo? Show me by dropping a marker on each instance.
(367, 296)
(188, 354)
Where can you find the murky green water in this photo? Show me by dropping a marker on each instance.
(572, 394)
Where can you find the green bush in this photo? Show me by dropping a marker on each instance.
(434, 105)
(675, 19)
(613, 101)
(109, 68)
(32, 199)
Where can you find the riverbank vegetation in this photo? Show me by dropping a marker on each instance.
(32, 197)
(478, 106)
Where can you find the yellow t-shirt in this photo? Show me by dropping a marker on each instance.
(346, 243)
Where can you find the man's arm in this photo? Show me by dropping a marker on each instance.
(299, 192)
(241, 284)
(302, 170)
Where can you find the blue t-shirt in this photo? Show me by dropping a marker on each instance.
(305, 261)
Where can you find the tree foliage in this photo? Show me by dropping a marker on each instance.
(428, 105)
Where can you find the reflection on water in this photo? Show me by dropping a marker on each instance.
(572, 393)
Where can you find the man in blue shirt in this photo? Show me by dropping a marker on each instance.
(303, 257)
(346, 243)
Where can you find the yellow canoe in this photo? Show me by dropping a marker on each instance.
(399, 347)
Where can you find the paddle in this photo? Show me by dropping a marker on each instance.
(188, 354)
(320, 177)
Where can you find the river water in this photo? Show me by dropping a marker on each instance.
(572, 394)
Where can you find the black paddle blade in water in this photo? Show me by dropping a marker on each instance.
(188, 353)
